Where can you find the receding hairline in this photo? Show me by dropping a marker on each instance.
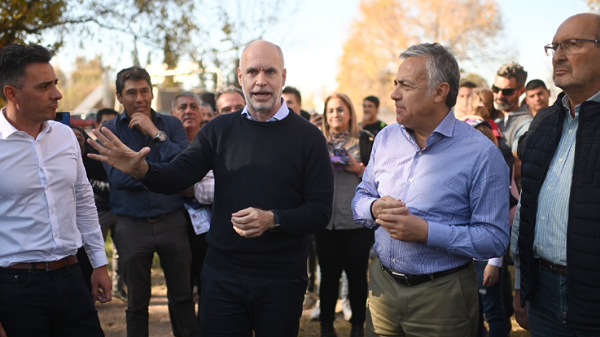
(266, 43)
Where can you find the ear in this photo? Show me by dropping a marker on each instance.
(119, 98)
(521, 91)
(240, 75)
(11, 94)
(284, 75)
(441, 93)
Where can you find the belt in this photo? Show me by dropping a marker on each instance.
(413, 280)
(47, 266)
(553, 267)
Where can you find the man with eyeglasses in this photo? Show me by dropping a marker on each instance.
(556, 233)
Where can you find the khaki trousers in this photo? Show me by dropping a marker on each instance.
(447, 306)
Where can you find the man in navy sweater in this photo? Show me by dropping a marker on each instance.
(273, 187)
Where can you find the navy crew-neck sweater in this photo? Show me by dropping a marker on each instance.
(282, 165)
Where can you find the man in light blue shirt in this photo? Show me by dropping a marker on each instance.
(436, 192)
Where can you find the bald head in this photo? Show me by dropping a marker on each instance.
(261, 45)
(262, 77)
(575, 61)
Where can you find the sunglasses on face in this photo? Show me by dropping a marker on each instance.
(505, 91)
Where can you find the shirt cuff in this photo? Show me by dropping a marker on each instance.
(98, 259)
(368, 214)
(517, 278)
(496, 261)
(438, 235)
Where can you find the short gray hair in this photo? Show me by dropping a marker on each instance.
(513, 70)
(228, 90)
(441, 67)
(185, 94)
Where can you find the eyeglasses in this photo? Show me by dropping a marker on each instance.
(569, 46)
(505, 91)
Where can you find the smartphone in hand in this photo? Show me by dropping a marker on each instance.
(340, 157)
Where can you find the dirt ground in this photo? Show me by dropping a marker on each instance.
(112, 316)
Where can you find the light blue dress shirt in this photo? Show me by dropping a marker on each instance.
(279, 115)
(458, 183)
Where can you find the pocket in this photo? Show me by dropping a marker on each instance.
(10, 278)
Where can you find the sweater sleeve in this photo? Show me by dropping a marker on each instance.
(314, 214)
(183, 171)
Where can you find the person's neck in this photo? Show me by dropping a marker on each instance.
(31, 128)
(369, 121)
(191, 133)
(339, 130)
(263, 116)
(576, 98)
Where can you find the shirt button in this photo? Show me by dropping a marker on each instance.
(543, 218)
(549, 188)
(51, 211)
(420, 153)
(570, 131)
(411, 180)
(394, 260)
(560, 160)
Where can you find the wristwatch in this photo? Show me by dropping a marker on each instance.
(277, 223)
(161, 136)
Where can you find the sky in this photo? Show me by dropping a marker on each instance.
(312, 41)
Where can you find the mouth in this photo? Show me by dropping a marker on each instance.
(54, 106)
(262, 95)
(139, 108)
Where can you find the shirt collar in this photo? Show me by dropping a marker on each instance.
(282, 113)
(567, 105)
(7, 129)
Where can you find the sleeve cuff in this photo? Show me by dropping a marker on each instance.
(438, 235)
(496, 262)
(517, 278)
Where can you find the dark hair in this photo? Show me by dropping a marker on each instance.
(209, 97)
(134, 73)
(14, 58)
(468, 84)
(293, 91)
(373, 99)
(441, 67)
(534, 84)
(103, 112)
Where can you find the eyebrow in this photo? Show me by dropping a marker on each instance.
(45, 84)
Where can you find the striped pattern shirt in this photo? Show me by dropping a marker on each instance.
(458, 183)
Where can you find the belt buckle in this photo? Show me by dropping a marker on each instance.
(401, 276)
(48, 267)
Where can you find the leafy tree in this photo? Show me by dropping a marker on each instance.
(85, 78)
(387, 27)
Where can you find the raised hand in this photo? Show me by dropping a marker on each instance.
(113, 152)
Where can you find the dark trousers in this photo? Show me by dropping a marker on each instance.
(136, 241)
(199, 247)
(41, 303)
(234, 304)
(492, 304)
(344, 250)
(312, 263)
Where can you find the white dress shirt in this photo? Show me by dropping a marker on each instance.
(46, 201)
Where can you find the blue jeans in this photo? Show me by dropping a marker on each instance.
(41, 303)
(548, 305)
(492, 303)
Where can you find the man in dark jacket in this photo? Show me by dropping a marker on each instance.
(556, 233)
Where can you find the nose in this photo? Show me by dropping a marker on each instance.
(56, 95)
(396, 95)
(261, 79)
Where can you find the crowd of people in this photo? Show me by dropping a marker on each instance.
(242, 194)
